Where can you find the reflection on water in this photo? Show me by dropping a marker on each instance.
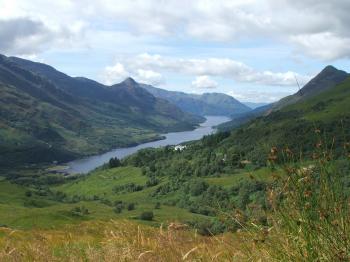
(87, 164)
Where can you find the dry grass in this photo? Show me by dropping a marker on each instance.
(122, 241)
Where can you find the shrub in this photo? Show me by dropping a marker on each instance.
(80, 211)
(118, 209)
(131, 206)
(114, 162)
(38, 203)
(197, 187)
(119, 206)
(129, 187)
(208, 227)
(152, 181)
(147, 215)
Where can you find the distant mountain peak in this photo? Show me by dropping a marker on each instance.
(331, 71)
(328, 78)
(330, 68)
(129, 81)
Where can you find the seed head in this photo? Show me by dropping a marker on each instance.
(274, 150)
(308, 193)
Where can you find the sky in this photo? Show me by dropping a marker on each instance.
(253, 50)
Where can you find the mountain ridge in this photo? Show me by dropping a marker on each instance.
(58, 117)
(324, 80)
(204, 104)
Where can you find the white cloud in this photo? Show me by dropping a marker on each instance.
(288, 21)
(27, 36)
(149, 77)
(311, 26)
(323, 45)
(210, 67)
(114, 74)
(118, 72)
(204, 82)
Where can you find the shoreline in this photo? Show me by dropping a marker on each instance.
(89, 163)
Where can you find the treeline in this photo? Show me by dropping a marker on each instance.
(183, 177)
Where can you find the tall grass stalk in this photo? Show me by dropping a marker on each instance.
(311, 219)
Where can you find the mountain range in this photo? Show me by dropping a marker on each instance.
(204, 104)
(46, 115)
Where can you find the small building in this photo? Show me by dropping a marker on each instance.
(179, 148)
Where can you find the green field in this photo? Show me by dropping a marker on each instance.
(17, 210)
(263, 174)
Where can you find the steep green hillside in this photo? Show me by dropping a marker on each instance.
(328, 78)
(205, 104)
(238, 120)
(325, 80)
(299, 126)
(46, 115)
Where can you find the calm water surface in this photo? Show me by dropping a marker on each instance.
(89, 163)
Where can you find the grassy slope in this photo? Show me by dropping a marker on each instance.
(18, 211)
(295, 125)
(328, 106)
(226, 181)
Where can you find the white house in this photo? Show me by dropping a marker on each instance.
(179, 148)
